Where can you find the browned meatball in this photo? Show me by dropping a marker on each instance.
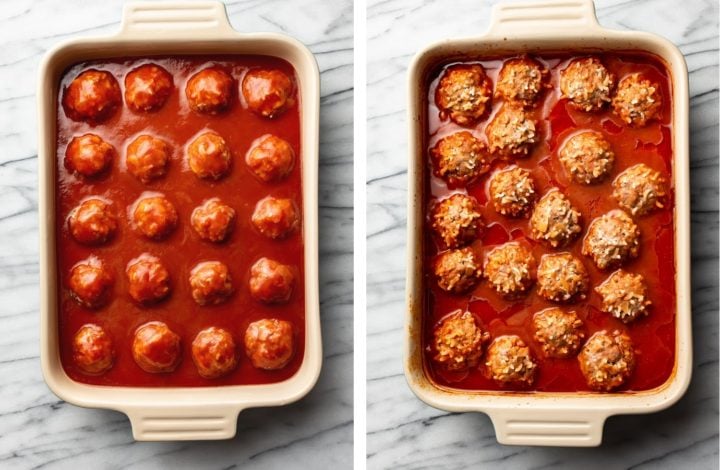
(555, 221)
(210, 91)
(213, 220)
(92, 97)
(209, 156)
(612, 239)
(93, 222)
(464, 94)
(456, 220)
(562, 277)
(270, 158)
(268, 93)
(156, 348)
(155, 217)
(459, 158)
(510, 269)
(92, 350)
(147, 88)
(458, 271)
(559, 333)
(148, 279)
(587, 84)
(509, 361)
(607, 360)
(88, 155)
(214, 353)
(587, 157)
(271, 282)
(637, 100)
(458, 341)
(276, 218)
(521, 81)
(210, 283)
(148, 157)
(270, 343)
(511, 133)
(90, 283)
(512, 192)
(640, 189)
(624, 296)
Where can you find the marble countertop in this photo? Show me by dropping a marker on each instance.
(404, 432)
(37, 430)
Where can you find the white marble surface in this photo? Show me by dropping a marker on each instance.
(39, 430)
(405, 433)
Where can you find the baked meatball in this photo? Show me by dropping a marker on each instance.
(464, 94)
(90, 283)
(624, 296)
(213, 220)
(156, 348)
(88, 155)
(511, 132)
(92, 97)
(587, 157)
(210, 91)
(154, 217)
(509, 361)
(93, 222)
(268, 93)
(640, 190)
(275, 218)
(612, 239)
(92, 350)
(459, 158)
(637, 100)
(210, 283)
(209, 156)
(607, 360)
(587, 84)
(214, 353)
(458, 271)
(456, 220)
(147, 88)
(148, 279)
(521, 81)
(270, 158)
(562, 277)
(555, 220)
(271, 282)
(458, 341)
(270, 343)
(559, 333)
(148, 157)
(512, 192)
(510, 269)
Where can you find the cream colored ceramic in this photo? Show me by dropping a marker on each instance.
(550, 419)
(154, 28)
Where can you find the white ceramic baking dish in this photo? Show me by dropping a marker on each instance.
(149, 29)
(550, 419)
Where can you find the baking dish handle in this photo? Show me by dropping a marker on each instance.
(189, 423)
(538, 427)
(542, 17)
(175, 20)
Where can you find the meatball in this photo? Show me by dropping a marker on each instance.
(148, 279)
(270, 158)
(271, 282)
(209, 156)
(562, 277)
(510, 269)
(214, 353)
(640, 190)
(637, 100)
(148, 157)
(509, 361)
(521, 81)
(90, 283)
(88, 155)
(555, 221)
(92, 350)
(512, 192)
(210, 91)
(459, 158)
(559, 333)
(464, 94)
(458, 271)
(93, 222)
(612, 239)
(275, 218)
(210, 283)
(511, 132)
(155, 217)
(92, 97)
(270, 343)
(607, 360)
(213, 220)
(587, 84)
(456, 220)
(587, 157)
(147, 88)
(156, 348)
(268, 93)
(458, 341)
(624, 296)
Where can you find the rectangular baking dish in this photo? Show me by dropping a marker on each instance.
(147, 29)
(541, 418)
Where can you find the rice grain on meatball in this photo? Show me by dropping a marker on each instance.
(510, 269)
(464, 94)
(512, 192)
(521, 80)
(555, 220)
(458, 341)
(509, 361)
(559, 333)
(456, 220)
(562, 277)
(640, 190)
(458, 271)
(459, 158)
(624, 296)
(612, 239)
(587, 84)
(637, 100)
(511, 133)
(607, 360)
(587, 157)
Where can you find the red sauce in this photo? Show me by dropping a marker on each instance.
(653, 336)
(183, 249)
